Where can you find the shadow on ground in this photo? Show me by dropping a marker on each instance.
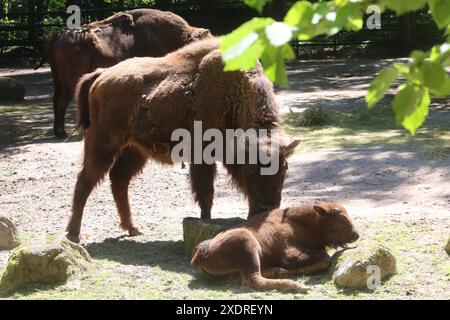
(168, 255)
(31, 121)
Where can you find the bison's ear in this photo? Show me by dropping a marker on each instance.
(321, 210)
(290, 149)
(326, 212)
(201, 33)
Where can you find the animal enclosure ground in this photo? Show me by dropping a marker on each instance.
(396, 188)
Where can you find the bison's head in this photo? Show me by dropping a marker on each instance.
(336, 226)
(264, 190)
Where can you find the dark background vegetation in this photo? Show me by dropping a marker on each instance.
(25, 24)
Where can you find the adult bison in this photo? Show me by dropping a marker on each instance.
(134, 33)
(129, 112)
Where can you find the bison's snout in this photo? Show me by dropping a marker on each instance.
(201, 252)
(355, 236)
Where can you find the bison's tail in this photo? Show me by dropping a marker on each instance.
(82, 97)
(44, 52)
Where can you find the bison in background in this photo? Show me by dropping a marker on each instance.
(129, 112)
(134, 33)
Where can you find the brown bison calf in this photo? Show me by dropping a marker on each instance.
(277, 243)
(129, 112)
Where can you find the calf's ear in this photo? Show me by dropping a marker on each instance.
(290, 148)
(321, 210)
(201, 33)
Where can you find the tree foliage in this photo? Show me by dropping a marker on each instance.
(268, 40)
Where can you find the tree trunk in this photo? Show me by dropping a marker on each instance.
(408, 32)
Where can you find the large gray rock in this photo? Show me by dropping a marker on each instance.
(447, 247)
(57, 262)
(11, 89)
(196, 230)
(9, 238)
(351, 268)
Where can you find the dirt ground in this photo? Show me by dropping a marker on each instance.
(395, 192)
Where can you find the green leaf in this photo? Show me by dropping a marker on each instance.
(242, 47)
(411, 107)
(402, 6)
(349, 15)
(444, 91)
(380, 85)
(258, 5)
(440, 9)
(403, 69)
(434, 76)
(273, 62)
(300, 14)
(419, 56)
(278, 33)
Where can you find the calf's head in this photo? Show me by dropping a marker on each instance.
(336, 226)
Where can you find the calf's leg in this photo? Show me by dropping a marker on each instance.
(130, 162)
(202, 185)
(299, 262)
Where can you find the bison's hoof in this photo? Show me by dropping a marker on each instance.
(60, 134)
(73, 238)
(301, 288)
(133, 232)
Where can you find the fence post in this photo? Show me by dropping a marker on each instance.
(31, 22)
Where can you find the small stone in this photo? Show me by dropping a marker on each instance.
(196, 230)
(447, 247)
(9, 238)
(351, 268)
(47, 263)
(11, 89)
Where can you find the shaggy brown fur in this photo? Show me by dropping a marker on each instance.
(135, 33)
(135, 106)
(276, 244)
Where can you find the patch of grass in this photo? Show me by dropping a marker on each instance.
(311, 117)
(370, 128)
(423, 272)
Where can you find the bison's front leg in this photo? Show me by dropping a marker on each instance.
(126, 166)
(297, 262)
(305, 262)
(202, 184)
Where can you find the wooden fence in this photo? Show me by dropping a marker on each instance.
(34, 25)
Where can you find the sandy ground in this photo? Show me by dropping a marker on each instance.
(379, 186)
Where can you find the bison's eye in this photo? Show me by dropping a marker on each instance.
(342, 221)
(285, 165)
(335, 211)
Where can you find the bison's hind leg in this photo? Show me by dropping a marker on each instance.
(97, 161)
(130, 162)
